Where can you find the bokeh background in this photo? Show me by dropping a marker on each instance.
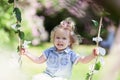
(39, 17)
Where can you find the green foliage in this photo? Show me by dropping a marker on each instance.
(21, 34)
(5, 23)
(104, 13)
(5, 14)
(18, 25)
(97, 66)
(18, 14)
(4, 36)
(95, 23)
(10, 1)
(18, 49)
(87, 76)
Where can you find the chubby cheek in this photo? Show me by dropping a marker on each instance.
(55, 42)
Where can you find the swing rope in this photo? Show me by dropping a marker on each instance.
(16, 27)
(97, 45)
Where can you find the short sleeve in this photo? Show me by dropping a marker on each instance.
(74, 57)
(46, 53)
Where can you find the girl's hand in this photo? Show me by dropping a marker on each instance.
(22, 51)
(96, 52)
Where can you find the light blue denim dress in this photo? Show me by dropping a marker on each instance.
(59, 64)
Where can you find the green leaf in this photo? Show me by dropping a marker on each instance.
(18, 14)
(21, 35)
(17, 31)
(97, 66)
(87, 76)
(10, 1)
(18, 49)
(95, 23)
(104, 13)
(18, 25)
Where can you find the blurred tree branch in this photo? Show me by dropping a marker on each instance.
(111, 6)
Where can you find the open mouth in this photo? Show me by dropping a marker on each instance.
(59, 44)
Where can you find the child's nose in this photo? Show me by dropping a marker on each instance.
(60, 40)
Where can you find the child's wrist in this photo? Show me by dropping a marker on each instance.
(26, 53)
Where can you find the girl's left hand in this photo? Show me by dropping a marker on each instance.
(95, 51)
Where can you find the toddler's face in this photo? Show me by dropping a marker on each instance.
(61, 39)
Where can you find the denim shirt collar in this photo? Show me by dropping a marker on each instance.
(66, 50)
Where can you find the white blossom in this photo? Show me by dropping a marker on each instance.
(25, 44)
(102, 51)
(14, 27)
(102, 60)
(97, 39)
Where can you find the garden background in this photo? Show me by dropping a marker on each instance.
(39, 17)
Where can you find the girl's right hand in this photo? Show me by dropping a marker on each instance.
(22, 51)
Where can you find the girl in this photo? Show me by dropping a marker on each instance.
(59, 58)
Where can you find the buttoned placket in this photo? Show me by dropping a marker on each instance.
(59, 54)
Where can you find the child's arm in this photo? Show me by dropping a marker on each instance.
(88, 58)
(35, 59)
